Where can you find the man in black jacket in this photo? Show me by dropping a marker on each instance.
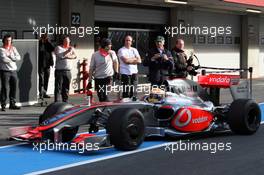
(182, 65)
(159, 61)
(44, 63)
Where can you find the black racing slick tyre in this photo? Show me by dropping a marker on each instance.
(55, 108)
(244, 116)
(126, 128)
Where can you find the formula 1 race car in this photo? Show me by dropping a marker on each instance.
(180, 107)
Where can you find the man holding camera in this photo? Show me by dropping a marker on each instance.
(159, 61)
(182, 65)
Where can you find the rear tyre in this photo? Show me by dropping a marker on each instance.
(244, 116)
(126, 128)
(55, 108)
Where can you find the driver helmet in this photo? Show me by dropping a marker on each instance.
(156, 95)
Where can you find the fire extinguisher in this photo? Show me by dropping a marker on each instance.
(89, 97)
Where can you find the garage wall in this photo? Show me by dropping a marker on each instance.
(131, 15)
(22, 15)
(218, 55)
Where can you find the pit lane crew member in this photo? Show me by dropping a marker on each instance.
(8, 71)
(44, 63)
(182, 65)
(103, 66)
(129, 58)
(159, 61)
(65, 53)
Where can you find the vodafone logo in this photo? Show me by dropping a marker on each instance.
(200, 120)
(220, 80)
(183, 118)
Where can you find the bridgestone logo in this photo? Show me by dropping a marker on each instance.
(199, 120)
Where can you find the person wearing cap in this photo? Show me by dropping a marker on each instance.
(129, 58)
(8, 71)
(65, 53)
(103, 66)
(159, 61)
(181, 62)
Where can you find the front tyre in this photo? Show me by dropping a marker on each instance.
(126, 128)
(244, 116)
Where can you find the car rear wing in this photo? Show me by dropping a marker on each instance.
(215, 80)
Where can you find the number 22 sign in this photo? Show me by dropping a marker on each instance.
(75, 19)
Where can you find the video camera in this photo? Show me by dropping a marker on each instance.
(190, 63)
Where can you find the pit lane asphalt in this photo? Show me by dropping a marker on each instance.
(245, 158)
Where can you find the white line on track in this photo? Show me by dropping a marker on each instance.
(8, 146)
(95, 160)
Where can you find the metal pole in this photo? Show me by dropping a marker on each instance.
(250, 81)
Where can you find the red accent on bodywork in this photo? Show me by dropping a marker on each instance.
(218, 80)
(32, 134)
(167, 107)
(191, 119)
(82, 137)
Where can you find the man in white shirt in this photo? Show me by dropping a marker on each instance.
(8, 70)
(64, 54)
(129, 59)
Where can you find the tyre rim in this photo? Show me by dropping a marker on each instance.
(134, 130)
(253, 121)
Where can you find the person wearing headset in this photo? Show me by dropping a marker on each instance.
(129, 59)
(8, 72)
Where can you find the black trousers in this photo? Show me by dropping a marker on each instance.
(101, 85)
(44, 74)
(8, 79)
(62, 84)
(129, 83)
